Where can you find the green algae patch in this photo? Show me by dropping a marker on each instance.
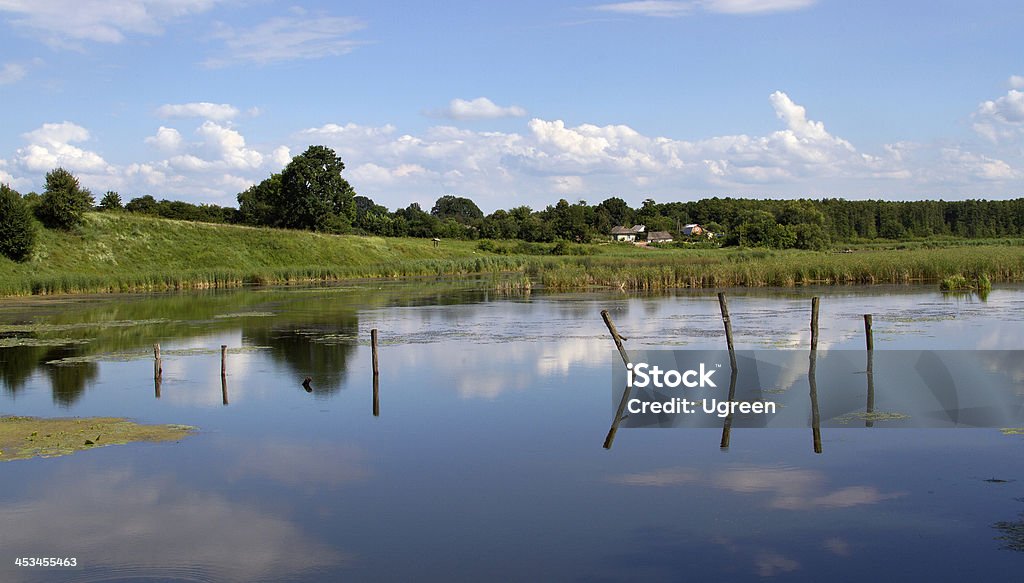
(28, 437)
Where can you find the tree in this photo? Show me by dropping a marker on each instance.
(110, 201)
(313, 193)
(17, 232)
(261, 204)
(64, 201)
(145, 205)
(459, 208)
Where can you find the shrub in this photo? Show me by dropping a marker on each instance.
(17, 232)
(64, 201)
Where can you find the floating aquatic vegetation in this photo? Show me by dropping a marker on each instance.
(43, 328)
(147, 355)
(25, 341)
(245, 315)
(1012, 430)
(29, 437)
(872, 416)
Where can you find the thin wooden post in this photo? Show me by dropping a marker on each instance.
(869, 338)
(727, 424)
(158, 370)
(728, 328)
(224, 373)
(376, 396)
(868, 334)
(814, 323)
(373, 347)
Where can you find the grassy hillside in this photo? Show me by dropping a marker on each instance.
(126, 252)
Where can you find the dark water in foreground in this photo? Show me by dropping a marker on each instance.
(486, 461)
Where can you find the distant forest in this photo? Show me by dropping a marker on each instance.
(310, 193)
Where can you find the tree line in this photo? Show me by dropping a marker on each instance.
(311, 193)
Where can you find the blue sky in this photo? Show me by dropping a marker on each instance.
(519, 103)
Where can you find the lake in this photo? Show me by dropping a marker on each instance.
(486, 460)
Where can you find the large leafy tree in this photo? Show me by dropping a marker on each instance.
(64, 201)
(261, 204)
(459, 208)
(313, 193)
(17, 231)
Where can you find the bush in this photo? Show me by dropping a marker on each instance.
(64, 202)
(17, 232)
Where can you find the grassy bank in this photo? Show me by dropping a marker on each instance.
(123, 252)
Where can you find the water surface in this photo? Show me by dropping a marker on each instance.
(485, 461)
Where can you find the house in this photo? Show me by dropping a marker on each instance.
(659, 237)
(628, 234)
(692, 230)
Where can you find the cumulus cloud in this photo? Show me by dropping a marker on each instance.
(676, 8)
(288, 38)
(203, 109)
(51, 146)
(1016, 82)
(1002, 118)
(479, 108)
(229, 145)
(68, 23)
(168, 139)
(12, 73)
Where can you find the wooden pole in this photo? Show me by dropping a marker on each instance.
(814, 323)
(869, 337)
(376, 396)
(373, 347)
(610, 438)
(615, 336)
(158, 370)
(728, 328)
(224, 373)
(727, 425)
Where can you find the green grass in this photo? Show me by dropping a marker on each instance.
(123, 252)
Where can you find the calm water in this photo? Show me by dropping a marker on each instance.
(486, 461)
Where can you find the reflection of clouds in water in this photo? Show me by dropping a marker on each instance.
(195, 381)
(301, 463)
(789, 489)
(124, 523)
(770, 564)
(837, 546)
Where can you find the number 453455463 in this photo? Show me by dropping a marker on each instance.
(46, 562)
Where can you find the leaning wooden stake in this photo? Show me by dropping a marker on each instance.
(610, 438)
(727, 424)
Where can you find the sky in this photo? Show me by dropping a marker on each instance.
(513, 103)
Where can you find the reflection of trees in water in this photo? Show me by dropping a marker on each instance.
(320, 351)
(16, 366)
(68, 382)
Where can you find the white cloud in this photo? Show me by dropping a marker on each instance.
(50, 146)
(167, 139)
(1002, 118)
(288, 38)
(203, 109)
(12, 73)
(66, 23)
(230, 145)
(1016, 82)
(281, 156)
(479, 108)
(676, 8)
